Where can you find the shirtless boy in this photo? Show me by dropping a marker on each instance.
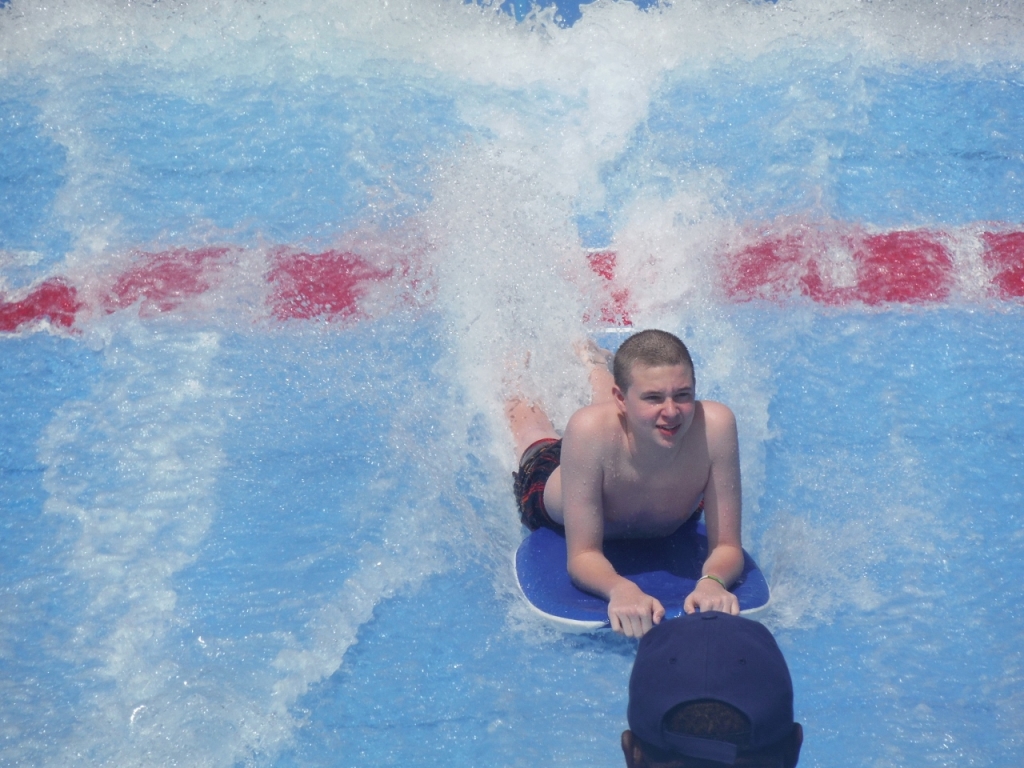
(636, 463)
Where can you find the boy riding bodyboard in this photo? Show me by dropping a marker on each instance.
(638, 462)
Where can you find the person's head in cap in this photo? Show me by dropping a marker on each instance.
(707, 690)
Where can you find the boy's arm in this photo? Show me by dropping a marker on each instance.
(722, 499)
(630, 611)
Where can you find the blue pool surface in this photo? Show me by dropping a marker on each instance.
(233, 536)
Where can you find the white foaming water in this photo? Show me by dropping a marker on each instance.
(545, 111)
(133, 471)
(823, 559)
(134, 468)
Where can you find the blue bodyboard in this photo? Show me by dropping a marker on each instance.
(666, 568)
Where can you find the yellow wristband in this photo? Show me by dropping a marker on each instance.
(713, 578)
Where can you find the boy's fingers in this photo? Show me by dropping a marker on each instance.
(614, 623)
(645, 624)
(688, 604)
(659, 612)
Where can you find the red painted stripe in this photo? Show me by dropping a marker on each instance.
(614, 306)
(904, 266)
(1004, 255)
(840, 267)
(52, 300)
(768, 268)
(163, 281)
(833, 265)
(327, 285)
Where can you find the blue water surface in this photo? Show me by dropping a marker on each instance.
(31, 166)
(849, 141)
(231, 539)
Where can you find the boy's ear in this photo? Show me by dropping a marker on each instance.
(620, 398)
(632, 750)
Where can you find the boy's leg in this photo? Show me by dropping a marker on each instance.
(598, 362)
(529, 424)
(601, 383)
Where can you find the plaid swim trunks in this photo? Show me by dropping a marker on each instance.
(536, 466)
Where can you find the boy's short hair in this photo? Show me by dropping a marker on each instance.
(651, 348)
(711, 689)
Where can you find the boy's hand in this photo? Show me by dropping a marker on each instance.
(709, 595)
(631, 611)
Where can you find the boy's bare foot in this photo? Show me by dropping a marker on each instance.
(599, 369)
(592, 355)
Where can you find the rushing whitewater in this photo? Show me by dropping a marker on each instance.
(269, 269)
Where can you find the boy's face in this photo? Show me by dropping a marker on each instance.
(660, 403)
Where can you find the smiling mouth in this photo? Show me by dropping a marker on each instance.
(666, 430)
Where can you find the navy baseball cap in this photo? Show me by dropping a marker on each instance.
(710, 657)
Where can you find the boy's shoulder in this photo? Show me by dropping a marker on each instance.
(718, 423)
(597, 425)
(717, 415)
(596, 418)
